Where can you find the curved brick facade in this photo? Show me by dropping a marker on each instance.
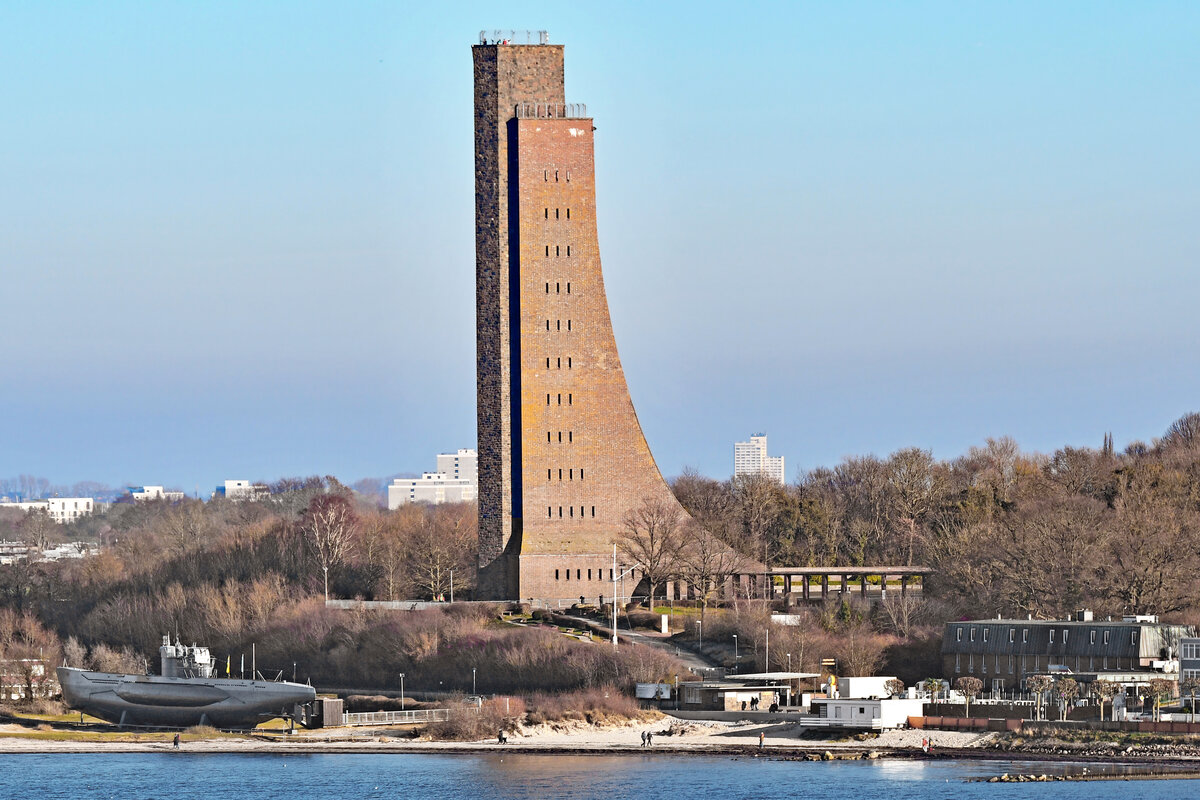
(562, 457)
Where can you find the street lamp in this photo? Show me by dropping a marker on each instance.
(615, 578)
(735, 653)
(789, 657)
(472, 680)
(700, 630)
(401, 691)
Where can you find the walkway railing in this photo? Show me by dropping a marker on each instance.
(514, 37)
(396, 717)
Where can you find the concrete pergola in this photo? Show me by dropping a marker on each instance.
(806, 574)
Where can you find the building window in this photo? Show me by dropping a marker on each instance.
(559, 364)
(568, 213)
(568, 288)
(560, 474)
(547, 362)
(1012, 635)
(571, 512)
(972, 634)
(581, 478)
(1106, 637)
(568, 324)
(1133, 637)
(568, 574)
(547, 288)
(556, 176)
(560, 437)
(557, 251)
(568, 176)
(985, 632)
(555, 574)
(570, 474)
(548, 475)
(556, 213)
(570, 436)
(1052, 636)
(560, 399)
(547, 324)
(1065, 632)
(549, 511)
(589, 574)
(547, 436)
(558, 324)
(1092, 637)
(568, 362)
(958, 635)
(546, 175)
(1025, 636)
(560, 512)
(577, 575)
(568, 393)
(547, 250)
(547, 399)
(568, 250)
(593, 507)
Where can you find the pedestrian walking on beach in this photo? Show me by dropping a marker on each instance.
(762, 737)
(643, 738)
(649, 739)
(176, 743)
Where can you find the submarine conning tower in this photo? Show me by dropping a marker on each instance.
(182, 661)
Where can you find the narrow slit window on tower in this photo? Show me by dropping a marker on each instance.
(549, 511)
(557, 324)
(572, 512)
(547, 362)
(560, 474)
(547, 436)
(578, 575)
(570, 474)
(568, 213)
(558, 288)
(547, 288)
(557, 251)
(568, 249)
(547, 213)
(560, 512)
(560, 399)
(589, 571)
(555, 574)
(569, 398)
(548, 475)
(581, 478)
(568, 175)
(581, 512)
(556, 176)
(547, 249)
(570, 436)
(568, 288)
(568, 324)
(547, 324)
(548, 400)
(545, 174)
(556, 213)
(560, 362)
(560, 436)
(568, 362)
(593, 511)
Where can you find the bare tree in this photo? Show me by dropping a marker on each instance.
(1065, 690)
(652, 538)
(328, 525)
(1105, 691)
(707, 564)
(442, 547)
(895, 687)
(969, 688)
(1038, 685)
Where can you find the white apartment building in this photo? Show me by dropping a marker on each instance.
(455, 481)
(59, 509)
(143, 493)
(750, 458)
(242, 490)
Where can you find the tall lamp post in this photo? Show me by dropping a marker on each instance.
(700, 630)
(789, 657)
(735, 653)
(473, 680)
(617, 577)
(401, 691)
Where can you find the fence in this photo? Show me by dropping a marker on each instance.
(396, 717)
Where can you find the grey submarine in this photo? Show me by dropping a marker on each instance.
(185, 694)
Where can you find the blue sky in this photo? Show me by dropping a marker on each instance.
(236, 240)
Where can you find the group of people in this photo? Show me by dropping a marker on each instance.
(647, 738)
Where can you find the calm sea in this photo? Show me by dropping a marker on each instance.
(172, 776)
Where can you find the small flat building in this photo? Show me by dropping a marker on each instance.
(871, 713)
(1189, 658)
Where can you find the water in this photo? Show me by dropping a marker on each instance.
(170, 776)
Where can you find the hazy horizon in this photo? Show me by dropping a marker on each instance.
(239, 241)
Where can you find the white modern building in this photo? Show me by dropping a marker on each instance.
(456, 480)
(59, 509)
(750, 458)
(242, 490)
(143, 493)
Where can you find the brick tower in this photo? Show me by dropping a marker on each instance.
(562, 457)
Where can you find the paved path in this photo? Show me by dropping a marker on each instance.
(658, 641)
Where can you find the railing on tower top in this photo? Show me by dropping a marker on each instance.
(551, 111)
(514, 37)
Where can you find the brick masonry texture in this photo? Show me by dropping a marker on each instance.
(559, 469)
(504, 77)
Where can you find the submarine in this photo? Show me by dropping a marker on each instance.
(185, 694)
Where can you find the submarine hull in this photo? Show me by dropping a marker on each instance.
(156, 701)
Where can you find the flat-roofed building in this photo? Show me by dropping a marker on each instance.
(59, 509)
(144, 493)
(1003, 652)
(1189, 658)
(750, 458)
(456, 480)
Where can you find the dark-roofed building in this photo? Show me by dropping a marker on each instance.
(1003, 652)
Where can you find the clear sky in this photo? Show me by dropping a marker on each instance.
(236, 239)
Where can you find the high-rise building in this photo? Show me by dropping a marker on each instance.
(562, 458)
(455, 481)
(750, 458)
